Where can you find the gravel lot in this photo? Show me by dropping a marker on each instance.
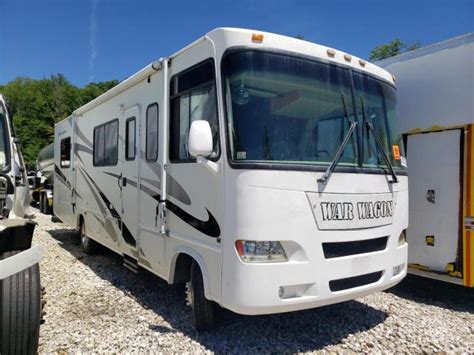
(95, 304)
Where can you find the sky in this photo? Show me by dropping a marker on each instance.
(98, 40)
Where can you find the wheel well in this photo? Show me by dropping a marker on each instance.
(182, 269)
(16, 237)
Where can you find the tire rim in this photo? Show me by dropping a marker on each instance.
(189, 294)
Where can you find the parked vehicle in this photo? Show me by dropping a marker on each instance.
(436, 101)
(20, 291)
(264, 171)
(42, 193)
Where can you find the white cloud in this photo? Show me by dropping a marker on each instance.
(92, 39)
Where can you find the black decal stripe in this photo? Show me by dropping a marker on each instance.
(129, 239)
(105, 224)
(209, 227)
(94, 194)
(112, 210)
(127, 236)
(61, 175)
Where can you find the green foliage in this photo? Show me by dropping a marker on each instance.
(36, 105)
(391, 49)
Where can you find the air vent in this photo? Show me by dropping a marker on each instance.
(338, 249)
(356, 281)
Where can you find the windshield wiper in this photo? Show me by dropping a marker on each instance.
(378, 144)
(324, 179)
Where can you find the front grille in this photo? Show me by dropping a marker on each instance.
(355, 281)
(335, 250)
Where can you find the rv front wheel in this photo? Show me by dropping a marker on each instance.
(88, 245)
(204, 311)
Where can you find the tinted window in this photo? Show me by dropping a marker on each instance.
(130, 139)
(287, 109)
(106, 144)
(193, 98)
(65, 153)
(152, 132)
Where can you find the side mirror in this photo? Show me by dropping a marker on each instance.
(200, 139)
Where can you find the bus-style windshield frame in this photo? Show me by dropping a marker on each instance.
(5, 138)
(354, 110)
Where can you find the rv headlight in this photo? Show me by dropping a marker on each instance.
(402, 239)
(252, 251)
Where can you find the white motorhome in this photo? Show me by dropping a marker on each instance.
(42, 193)
(436, 100)
(262, 170)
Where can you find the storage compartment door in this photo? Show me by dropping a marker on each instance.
(434, 188)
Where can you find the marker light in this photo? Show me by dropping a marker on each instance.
(398, 269)
(331, 53)
(347, 57)
(251, 251)
(362, 62)
(257, 37)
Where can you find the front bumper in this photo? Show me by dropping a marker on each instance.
(16, 234)
(256, 289)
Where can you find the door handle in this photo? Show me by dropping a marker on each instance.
(124, 181)
(430, 196)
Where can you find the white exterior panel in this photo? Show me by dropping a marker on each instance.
(434, 161)
(210, 207)
(435, 84)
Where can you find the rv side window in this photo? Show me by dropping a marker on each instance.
(65, 153)
(106, 144)
(193, 97)
(130, 132)
(152, 132)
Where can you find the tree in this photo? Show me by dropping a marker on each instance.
(391, 49)
(36, 105)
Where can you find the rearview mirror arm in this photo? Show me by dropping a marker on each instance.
(210, 165)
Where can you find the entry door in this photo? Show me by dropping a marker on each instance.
(434, 168)
(151, 250)
(129, 178)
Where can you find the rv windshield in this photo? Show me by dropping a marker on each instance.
(283, 109)
(3, 139)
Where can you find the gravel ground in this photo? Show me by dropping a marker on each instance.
(95, 304)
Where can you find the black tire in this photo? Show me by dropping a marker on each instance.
(41, 203)
(45, 204)
(20, 311)
(47, 208)
(204, 311)
(89, 246)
